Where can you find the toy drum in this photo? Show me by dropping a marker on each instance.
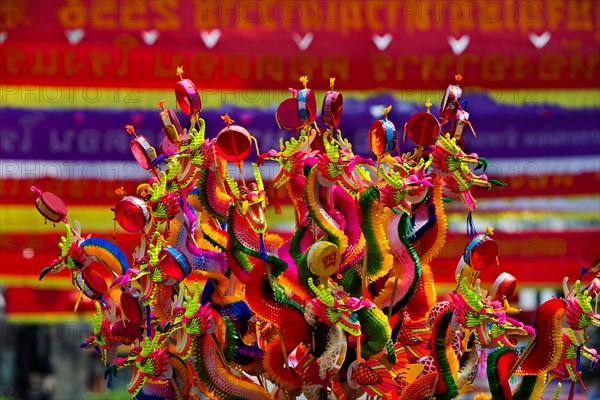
(132, 214)
(51, 206)
(382, 137)
(131, 307)
(504, 287)
(143, 151)
(91, 282)
(233, 143)
(287, 115)
(188, 97)
(449, 104)
(423, 129)
(174, 264)
(481, 253)
(307, 105)
(171, 126)
(332, 108)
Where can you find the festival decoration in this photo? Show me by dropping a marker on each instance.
(348, 305)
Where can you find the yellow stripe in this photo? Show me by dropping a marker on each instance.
(62, 282)
(50, 97)
(98, 219)
(49, 317)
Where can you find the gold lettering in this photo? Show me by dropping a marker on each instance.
(99, 59)
(236, 65)
(372, 17)
(530, 16)
(459, 16)
(523, 67)
(202, 66)
(435, 67)
(579, 16)
(555, 14)
(402, 61)
(562, 180)
(490, 15)
(248, 14)
(71, 14)
(392, 15)
(381, 64)
(125, 43)
(510, 12)
(303, 65)
(494, 67)
(12, 14)
(310, 17)
(13, 56)
(43, 67)
(72, 63)
(579, 67)
(207, 15)
(336, 66)
(416, 16)
(351, 18)
(167, 11)
(462, 61)
(551, 66)
(267, 18)
(106, 17)
(269, 66)
(133, 14)
(538, 182)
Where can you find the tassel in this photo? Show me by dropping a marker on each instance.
(557, 393)
(572, 391)
(482, 364)
(148, 330)
(578, 359)
(471, 230)
(263, 250)
(109, 382)
(276, 201)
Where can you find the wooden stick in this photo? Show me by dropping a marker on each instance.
(437, 378)
(220, 351)
(392, 299)
(522, 357)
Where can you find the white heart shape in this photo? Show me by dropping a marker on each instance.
(382, 42)
(376, 111)
(303, 42)
(74, 36)
(211, 38)
(150, 36)
(459, 45)
(3, 36)
(541, 40)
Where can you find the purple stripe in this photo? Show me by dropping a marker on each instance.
(503, 131)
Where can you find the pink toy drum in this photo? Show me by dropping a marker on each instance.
(171, 126)
(50, 206)
(143, 151)
(131, 213)
(450, 102)
(233, 143)
(188, 97)
(332, 108)
(423, 129)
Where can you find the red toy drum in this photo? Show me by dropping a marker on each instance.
(131, 307)
(481, 253)
(423, 129)
(287, 115)
(131, 213)
(332, 108)
(504, 287)
(91, 282)
(142, 151)
(51, 206)
(188, 97)
(174, 264)
(233, 143)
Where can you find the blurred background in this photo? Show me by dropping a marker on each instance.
(74, 73)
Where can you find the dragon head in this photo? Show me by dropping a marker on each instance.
(290, 157)
(250, 202)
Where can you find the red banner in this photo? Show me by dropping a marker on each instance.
(251, 44)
